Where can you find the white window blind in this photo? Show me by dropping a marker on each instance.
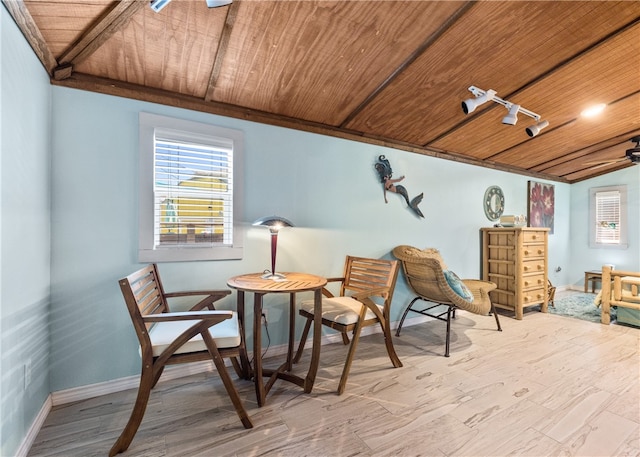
(193, 192)
(608, 227)
(607, 221)
(190, 191)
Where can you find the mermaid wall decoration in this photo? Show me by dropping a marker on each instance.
(383, 167)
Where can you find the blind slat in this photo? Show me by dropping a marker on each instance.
(193, 190)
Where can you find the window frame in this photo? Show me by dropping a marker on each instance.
(623, 239)
(147, 252)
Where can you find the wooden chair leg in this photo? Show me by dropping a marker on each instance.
(140, 406)
(236, 367)
(345, 338)
(157, 377)
(347, 365)
(226, 379)
(388, 342)
(303, 340)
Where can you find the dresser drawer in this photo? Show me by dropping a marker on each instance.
(533, 266)
(531, 297)
(532, 251)
(533, 282)
(533, 237)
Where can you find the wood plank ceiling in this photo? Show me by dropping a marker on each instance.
(384, 72)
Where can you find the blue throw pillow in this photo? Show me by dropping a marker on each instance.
(457, 285)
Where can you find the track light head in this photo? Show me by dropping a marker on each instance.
(470, 105)
(217, 3)
(157, 5)
(512, 117)
(535, 129)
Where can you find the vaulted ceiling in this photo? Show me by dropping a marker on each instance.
(392, 73)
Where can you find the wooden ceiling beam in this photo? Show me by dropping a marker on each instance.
(619, 140)
(569, 60)
(408, 61)
(20, 14)
(116, 17)
(223, 45)
(152, 95)
(531, 85)
(583, 175)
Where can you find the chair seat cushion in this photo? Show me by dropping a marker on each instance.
(457, 285)
(226, 334)
(342, 310)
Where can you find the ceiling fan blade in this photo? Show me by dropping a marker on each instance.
(605, 162)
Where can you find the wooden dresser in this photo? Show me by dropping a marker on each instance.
(515, 258)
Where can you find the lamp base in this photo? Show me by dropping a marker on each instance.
(273, 276)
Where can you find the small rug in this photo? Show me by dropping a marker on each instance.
(580, 306)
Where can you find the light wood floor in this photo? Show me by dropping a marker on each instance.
(545, 386)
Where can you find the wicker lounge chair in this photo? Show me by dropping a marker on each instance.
(426, 274)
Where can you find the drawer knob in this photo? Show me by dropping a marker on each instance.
(526, 252)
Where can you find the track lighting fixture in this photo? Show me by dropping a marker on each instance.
(470, 105)
(512, 117)
(533, 130)
(482, 96)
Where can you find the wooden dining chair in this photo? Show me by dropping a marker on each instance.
(166, 337)
(364, 283)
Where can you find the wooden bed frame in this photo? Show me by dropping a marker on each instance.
(619, 288)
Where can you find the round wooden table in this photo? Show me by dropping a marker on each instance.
(291, 284)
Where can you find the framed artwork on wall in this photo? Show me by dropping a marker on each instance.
(540, 204)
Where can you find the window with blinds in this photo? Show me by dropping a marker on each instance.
(189, 190)
(193, 192)
(608, 217)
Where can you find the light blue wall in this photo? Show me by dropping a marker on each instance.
(24, 233)
(582, 256)
(327, 186)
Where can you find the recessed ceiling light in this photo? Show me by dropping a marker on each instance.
(593, 110)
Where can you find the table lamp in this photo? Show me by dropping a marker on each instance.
(274, 223)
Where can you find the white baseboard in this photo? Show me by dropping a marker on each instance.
(86, 392)
(32, 433)
(80, 393)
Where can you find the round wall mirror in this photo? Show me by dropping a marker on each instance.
(493, 203)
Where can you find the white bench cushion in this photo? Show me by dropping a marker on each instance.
(343, 310)
(226, 334)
